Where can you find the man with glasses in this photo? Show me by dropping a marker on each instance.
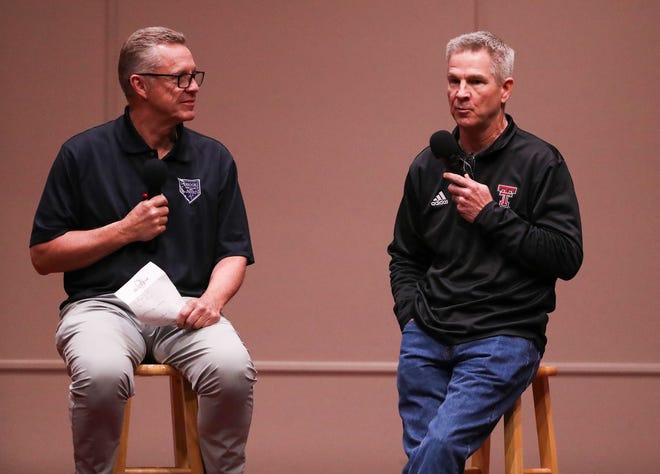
(105, 212)
(474, 261)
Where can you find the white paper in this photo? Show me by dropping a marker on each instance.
(152, 296)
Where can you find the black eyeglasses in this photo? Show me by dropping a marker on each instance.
(183, 80)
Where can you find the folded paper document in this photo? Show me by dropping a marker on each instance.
(152, 296)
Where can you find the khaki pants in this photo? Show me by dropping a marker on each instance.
(102, 342)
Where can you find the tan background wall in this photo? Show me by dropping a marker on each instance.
(324, 104)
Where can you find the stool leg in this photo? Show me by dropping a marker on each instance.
(480, 460)
(513, 449)
(178, 422)
(184, 425)
(120, 460)
(192, 435)
(544, 426)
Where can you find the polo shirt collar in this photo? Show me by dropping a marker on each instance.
(132, 143)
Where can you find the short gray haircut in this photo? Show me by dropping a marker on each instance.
(501, 55)
(138, 54)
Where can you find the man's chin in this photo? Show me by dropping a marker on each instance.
(187, 116)
(464, 122)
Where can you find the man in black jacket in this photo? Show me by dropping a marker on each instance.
(475, 258)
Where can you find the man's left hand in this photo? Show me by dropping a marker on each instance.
(469, 195)
(197, 314)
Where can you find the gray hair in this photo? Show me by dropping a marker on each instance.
(501, 55)
(138, 54)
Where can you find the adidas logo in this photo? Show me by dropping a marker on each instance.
(440, 200)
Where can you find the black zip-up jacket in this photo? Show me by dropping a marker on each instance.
(496, 276)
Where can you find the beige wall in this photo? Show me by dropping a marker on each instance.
(324, 104)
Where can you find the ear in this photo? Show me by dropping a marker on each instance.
(139, 85)
(507, 88)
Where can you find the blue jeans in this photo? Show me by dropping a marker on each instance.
(451, 397)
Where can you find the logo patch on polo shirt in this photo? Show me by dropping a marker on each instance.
(190, 188)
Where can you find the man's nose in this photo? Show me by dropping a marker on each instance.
(463, 90)
(193, 86)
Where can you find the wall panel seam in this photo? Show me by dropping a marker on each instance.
(111, 33)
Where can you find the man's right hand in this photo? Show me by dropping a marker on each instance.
(80, 248)
(147, 220)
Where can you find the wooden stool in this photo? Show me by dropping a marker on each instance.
(187, 456)
(513, 449)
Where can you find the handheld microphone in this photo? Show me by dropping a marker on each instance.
(154, 174)
(444, 147)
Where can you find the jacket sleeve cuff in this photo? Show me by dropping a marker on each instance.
(404, 312)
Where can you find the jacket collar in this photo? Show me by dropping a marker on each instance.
(500, 142)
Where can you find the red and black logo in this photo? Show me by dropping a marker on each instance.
(506, 193)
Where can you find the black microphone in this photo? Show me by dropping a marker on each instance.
(154, 174)
(444, 147)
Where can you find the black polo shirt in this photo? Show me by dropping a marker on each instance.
(96, 179)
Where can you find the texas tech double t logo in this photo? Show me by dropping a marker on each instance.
(506, 193)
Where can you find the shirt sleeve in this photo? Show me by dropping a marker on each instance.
(549, 241)
(233, 231)
(410, 257)
(57, 209)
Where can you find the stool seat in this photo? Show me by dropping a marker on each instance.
(513, 450)
(183, 401)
